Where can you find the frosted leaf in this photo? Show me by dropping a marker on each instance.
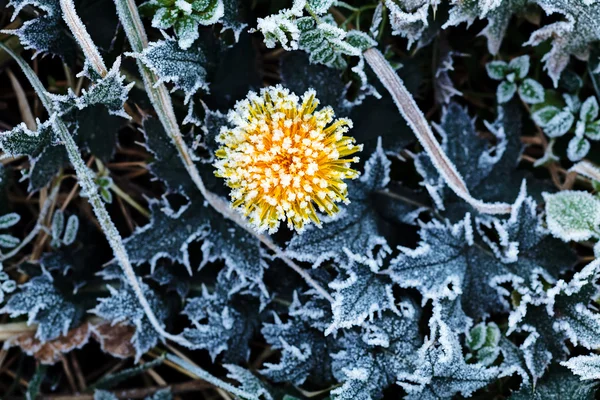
(589, 109)
(304, 351)
(360, 40)
(558, 384)
(355, 228)
(21, 141)
(409, 18)
(572, 35)
(9, 241)
(367, 369)
(71, 230)
(224, 320)
(104, 395)
(587, 367)
(299, 75)
(167, 235)
(446, 262)
(45, 306)
(248, 382)
(444, 88)
(184, 16)
(532, 92)
(505, 91)
(123, 306)
(578, 148)
(441, 371)
(572, 215)
(45, 34)
(184, 68)
(475, 159)
(497, 70)
(326, 43)
(109, 91)
(520, 66)
(319, 6)
(449, 260)
(497, 12)
(513, 361)
(551, 320)
(359, 295)
(8, 220)
(555, 121)
(483, 343)
(232, 17)
(222, 239)
(281, 29)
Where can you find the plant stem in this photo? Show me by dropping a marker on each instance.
(161, 101)
(205, 376)
(416, 120)
(86, 181)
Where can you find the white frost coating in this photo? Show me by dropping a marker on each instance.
(280, 28)
(184, 68)
(572, 215)
(92, 54)
(586, 169)
(358, 297)
(161, 101)
(409, 23)
(86, 179)
(587, 367)
(416, 120)
(570, 36)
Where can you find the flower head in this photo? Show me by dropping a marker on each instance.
(282, 158)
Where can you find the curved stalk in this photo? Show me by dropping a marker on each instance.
(161, 101)
(416, 120)
(86, 180)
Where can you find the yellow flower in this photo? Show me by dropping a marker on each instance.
(282, 158)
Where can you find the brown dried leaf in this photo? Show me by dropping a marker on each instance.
(51, 351)
(115, 339)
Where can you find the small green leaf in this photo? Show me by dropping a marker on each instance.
(506, 90)
(520, 66)
(8, 241)
(477, 337)
(578, 148)
(8, 220)
(572, 215)
(58, 224)
(497, 70)
(71, 230)
(554, 121)
(589, 109)
(531, 92)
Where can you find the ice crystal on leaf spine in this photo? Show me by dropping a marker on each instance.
(282, 157)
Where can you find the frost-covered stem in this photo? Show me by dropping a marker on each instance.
(161, 100)
(82, 36)
(38, 226)
(416, 120)
(587, 169)
(205, 376)
(86, 180)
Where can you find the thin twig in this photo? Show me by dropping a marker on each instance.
(161, 101)
(415, 119)
(24, 109)
(89, 187)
